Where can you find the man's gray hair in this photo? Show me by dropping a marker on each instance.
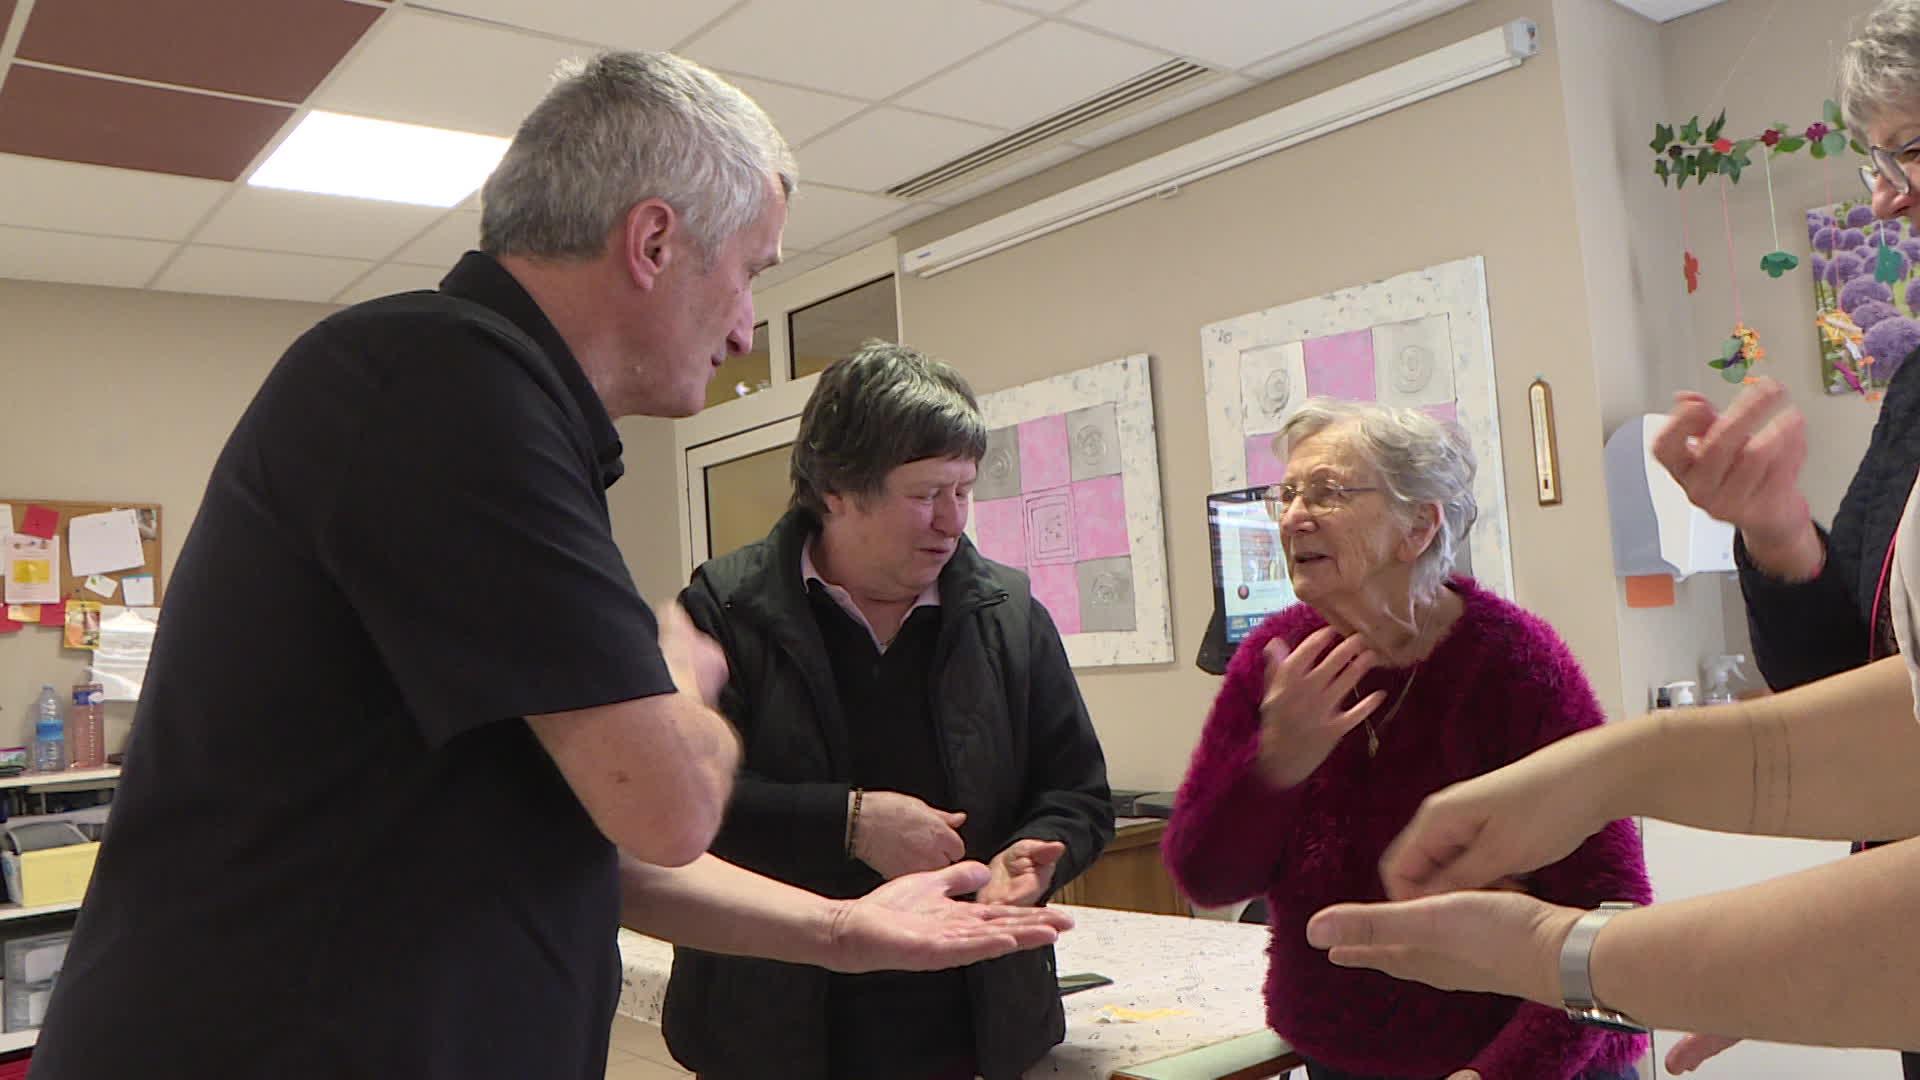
(1419, 461)
(873, 412)
(622, 128)
(1880, 67)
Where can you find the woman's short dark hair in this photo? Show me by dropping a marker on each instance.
(875, 411)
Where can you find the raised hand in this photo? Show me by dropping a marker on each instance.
(899, 834)
(1304, 712)
(1022, 872)
(1743, 467)
(912, 923)
(1494, 942)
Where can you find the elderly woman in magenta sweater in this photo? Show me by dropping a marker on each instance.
(1388, 682)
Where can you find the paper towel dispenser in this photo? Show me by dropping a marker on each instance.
(1655, 529)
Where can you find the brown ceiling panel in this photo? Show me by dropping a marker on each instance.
(279, 50)
(6, 15)
(53, 114)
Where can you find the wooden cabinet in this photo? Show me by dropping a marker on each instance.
(1129, 875)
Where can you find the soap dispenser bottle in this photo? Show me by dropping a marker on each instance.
(1720, 671)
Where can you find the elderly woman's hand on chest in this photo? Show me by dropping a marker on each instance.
(1306, 709)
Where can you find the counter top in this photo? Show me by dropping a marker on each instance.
(1178, 984)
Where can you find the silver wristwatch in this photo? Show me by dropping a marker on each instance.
(1576, 976)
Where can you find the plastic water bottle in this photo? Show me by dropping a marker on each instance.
(87, 726)
(49, 732)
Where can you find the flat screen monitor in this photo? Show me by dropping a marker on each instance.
(1250, 579)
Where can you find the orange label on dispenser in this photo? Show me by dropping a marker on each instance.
(1649, 591)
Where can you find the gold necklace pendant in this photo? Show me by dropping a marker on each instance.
(1373, 740)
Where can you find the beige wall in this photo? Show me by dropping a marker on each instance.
(646, 508)
(1478, 171)
(120, 394)
(1614, 91)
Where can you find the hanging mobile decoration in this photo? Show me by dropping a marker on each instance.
(1689, 262)
(1778, 261)
(1741, 350)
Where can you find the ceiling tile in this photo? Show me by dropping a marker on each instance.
(422, 68)
(279, 50)
(389, 279)
(821, 213)
(1363, 27)
(865, 48)
(265, 274)
(308, 224)
(1224, 87)
(1226, 33)
(6, 12)
(442, 245)
(94, 199)
(885, 146)
(792, 267)
(39, 255)
(54, 114)
(656, 24)
(1044, 7)
(799, 114)
(879, 230)
(1035, 75)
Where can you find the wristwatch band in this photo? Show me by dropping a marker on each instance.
(1576, 975)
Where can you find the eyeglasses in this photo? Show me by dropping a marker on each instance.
(1316, 496)
(1891, 166)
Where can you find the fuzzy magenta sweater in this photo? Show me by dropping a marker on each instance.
(1500, 685)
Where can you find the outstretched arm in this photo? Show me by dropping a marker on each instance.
(910, 924)
(1826, 956)
(1831, 760)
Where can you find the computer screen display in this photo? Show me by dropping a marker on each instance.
(1250, 579)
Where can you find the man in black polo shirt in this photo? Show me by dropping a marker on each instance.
(410, 744)
(904, 703)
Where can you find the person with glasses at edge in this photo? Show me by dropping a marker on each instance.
(1826, 956)
(1391, 679)
(1816, 598)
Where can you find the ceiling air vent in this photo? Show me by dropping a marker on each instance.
(1153, 85)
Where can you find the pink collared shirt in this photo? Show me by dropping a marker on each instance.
(929, 597)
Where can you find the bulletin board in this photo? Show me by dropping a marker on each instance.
(72, 587)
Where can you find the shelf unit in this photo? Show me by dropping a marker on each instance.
(13, 1042)
(69, 778)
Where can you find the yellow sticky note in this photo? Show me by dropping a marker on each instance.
(26, 613)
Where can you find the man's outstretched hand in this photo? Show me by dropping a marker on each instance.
(912, 923)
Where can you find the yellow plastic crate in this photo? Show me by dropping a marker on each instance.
(57, 875)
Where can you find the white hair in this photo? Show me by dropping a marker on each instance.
(625, 127)
(1880, 67)
(1419, 461)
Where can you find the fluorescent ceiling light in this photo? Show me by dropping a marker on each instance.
(1500, 49)
(333, 154)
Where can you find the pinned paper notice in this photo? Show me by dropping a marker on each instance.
(103, 585)
(139, 589)
(32, 569)
(40, 521)
(100, 543)
(24, 613)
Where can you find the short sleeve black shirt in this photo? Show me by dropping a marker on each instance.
(338, 849)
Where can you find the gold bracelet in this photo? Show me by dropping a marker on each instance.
(853, 819)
